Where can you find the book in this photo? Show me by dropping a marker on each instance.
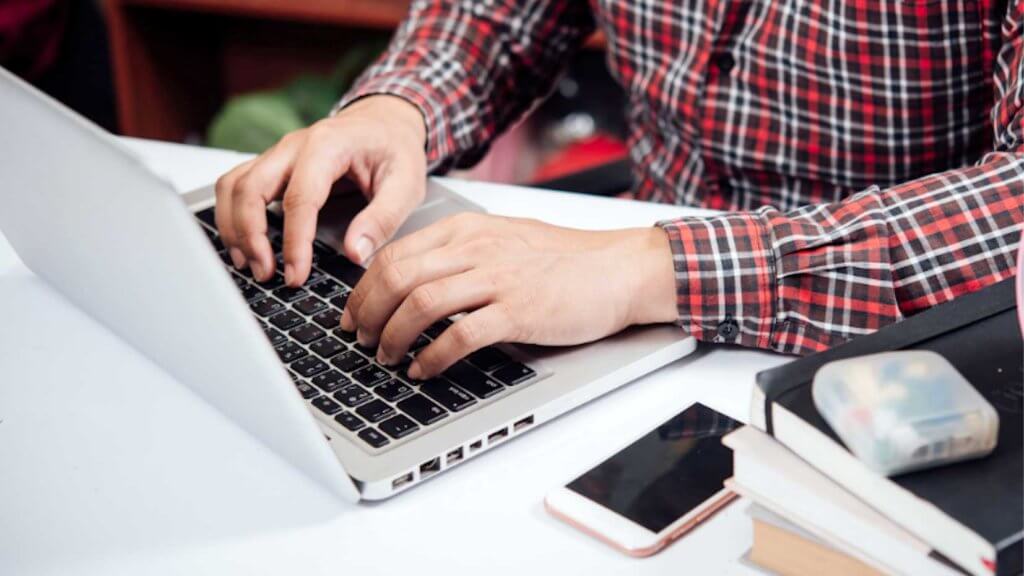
(767, 473)
(969, 512)
(788, 550)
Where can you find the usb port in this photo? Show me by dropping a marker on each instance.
(476, 446)
(497, 436)
(401, 481)
(453, 456)
(523, 423)
(430, 467)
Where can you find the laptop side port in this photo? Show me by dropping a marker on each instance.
(430, 467)
(401, 481)
(522, 424)
(476, 446)
(453, 457)
(497, 436)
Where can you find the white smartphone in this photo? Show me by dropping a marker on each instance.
(657, 488)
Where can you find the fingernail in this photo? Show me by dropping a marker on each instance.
(364, 248)
(414, 371)
(346, 321)
(383, 358)
(237, 258)
(289, 274)
(363, 339)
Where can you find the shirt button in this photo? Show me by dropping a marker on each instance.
(728, 330)
(725, 62)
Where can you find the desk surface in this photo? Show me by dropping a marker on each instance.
(107, 466)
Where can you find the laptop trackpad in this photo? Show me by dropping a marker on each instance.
(438, 203)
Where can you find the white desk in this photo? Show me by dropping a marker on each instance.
(107, 466)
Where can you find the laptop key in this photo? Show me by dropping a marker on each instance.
(473, 380)
(345, 335)
(274, 336)
(374, 411)
(306, 390)
(373, 438)
(309, 366)
(331, 381)
(398, 426)
(447, 394)
(514, 373)
(422, 410)
(327, 347)
(488, 359)
(289, 294)
(370, 375)
(340, 300)
(290, 352)
(275, 282)
(352, 395)
(266, 307)
(435, 329)
(326, 405)
(368, 351)
(310, 305)
(307, 333)
(208, 216)
(350, 421)
(286, 320)
(328, 319)
(349, 361)
(251, 293)
(420, 342)
(393, 390)
(326, 288)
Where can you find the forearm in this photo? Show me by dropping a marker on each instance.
(812, 278)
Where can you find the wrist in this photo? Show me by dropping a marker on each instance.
(654, 293)
(394, 110)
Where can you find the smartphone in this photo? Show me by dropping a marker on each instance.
(657, 488)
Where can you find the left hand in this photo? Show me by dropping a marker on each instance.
(520, 280)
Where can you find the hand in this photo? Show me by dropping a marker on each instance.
(520, 281)
(377, 142)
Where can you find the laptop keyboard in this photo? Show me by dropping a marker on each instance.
(378, 405)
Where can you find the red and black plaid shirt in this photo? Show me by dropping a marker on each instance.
(871, 151)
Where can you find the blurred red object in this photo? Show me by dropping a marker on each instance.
(586, 153)
(30, 35)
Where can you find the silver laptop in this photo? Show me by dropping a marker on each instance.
(85, 215)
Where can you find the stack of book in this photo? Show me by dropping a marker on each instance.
(817, 509)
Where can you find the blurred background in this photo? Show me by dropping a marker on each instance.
(239, 74)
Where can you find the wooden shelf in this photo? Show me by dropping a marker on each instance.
(176, 61)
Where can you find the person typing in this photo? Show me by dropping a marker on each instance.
(870, 158)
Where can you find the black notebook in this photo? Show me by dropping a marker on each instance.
(971, 512)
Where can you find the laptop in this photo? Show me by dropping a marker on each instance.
(117, 241)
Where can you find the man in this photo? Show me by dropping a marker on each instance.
(870, 151)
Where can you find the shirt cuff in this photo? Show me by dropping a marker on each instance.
(725, 278)
(439, 144)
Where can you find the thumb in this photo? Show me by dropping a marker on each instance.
(397, 193)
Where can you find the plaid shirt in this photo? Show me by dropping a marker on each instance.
(871, 151)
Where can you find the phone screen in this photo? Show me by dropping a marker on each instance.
(666, 473)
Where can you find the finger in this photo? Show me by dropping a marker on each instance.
(387, 284)
(399, 188)
(428, 304)
(476, 330)
(422, 241)
(319, 166)
(222, 210)
(259, 186)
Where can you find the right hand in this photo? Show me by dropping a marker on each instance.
(377, 142)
